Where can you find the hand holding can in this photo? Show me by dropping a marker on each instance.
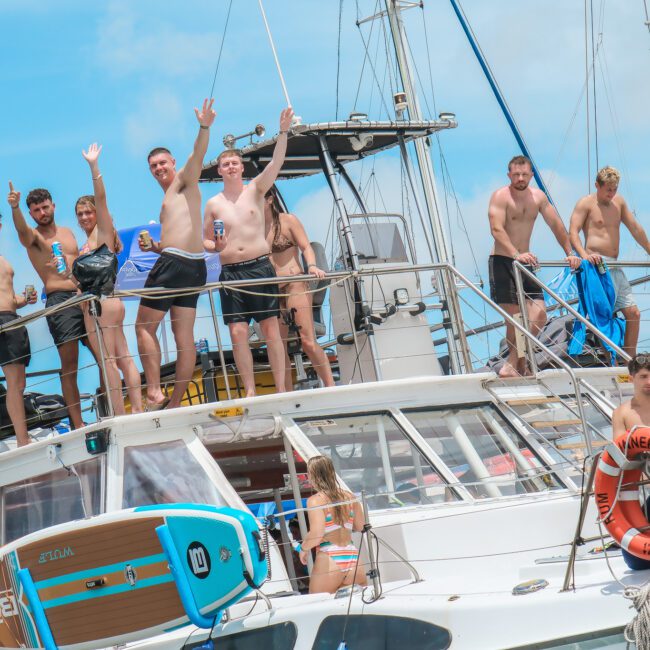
(59, 258)
(219, 228)
(146, 242)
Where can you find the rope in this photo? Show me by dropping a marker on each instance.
(638, 629)
(223, 38)
(275, 55)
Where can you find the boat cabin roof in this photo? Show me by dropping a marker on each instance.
(347, 141)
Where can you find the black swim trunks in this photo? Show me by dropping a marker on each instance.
(68, 324)
(175, 272)
(14, 344)
(503, 289)
(238, 307)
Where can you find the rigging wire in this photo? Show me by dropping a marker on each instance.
(588, 118)
(593, 74)
(647, 16)
(365, 58)
(223, 38)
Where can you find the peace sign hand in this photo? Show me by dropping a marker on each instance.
(14, 196)
(206, 115)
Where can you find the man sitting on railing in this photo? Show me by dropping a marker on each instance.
(15, 353)
(635, 412)
(234, 227)
(600, 216)
(512, 212)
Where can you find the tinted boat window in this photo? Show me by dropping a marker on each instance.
(276, 636)
(165, 473)
(484, 452)
(52, 498)
(371, 454)
(371, 632)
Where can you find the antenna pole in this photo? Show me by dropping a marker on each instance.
(275, 55)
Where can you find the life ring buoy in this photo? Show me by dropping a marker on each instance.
(619, 507)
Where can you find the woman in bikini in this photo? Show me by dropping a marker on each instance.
(287, 238)
(330, 531)
(95, 220)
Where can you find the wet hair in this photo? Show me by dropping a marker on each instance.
(227, 153)
(323, 477)
(608, 175)
(276, 209)
(38, 196)
(639, 362)
(156, 150)
(89, 199)
(520, 160)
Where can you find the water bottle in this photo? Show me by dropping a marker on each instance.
(57, 252)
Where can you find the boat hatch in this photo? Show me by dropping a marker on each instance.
(165, 472)
(71, 492)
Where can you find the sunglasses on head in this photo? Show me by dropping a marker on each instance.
(642, 359)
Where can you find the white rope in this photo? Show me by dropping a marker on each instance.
(637, 631)
(275, 55)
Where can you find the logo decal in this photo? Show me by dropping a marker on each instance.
(198, 559)
(224, 554)
(56, 554)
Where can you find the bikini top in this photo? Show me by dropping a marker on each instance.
(331, 526)
(281, 243)
(85, 249)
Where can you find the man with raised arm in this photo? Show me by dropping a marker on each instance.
(244, 254)
(635, 412)
(512, 212)
(66, 326)
(15, 352)
(599, 216)
(181, 264)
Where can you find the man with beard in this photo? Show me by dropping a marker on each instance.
(181, 265)
(512, 213)
(244, 254)
(66, 326)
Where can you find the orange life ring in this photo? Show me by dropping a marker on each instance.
(623, 516)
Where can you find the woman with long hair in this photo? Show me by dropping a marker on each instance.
(286, 237)
(95, 220)
(333, 515)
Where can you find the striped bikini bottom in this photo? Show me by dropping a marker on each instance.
(345, 557)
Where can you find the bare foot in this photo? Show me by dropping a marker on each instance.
(508, 371)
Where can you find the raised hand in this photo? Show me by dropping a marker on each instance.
(285, 118)
(92, 155)
(14, 196)
(206, 115)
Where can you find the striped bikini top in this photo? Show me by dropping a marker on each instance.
(331, 526)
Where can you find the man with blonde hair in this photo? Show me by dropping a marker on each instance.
(599, 216)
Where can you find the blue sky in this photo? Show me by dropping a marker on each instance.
(128, 74)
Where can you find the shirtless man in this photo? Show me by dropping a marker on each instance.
(181, 264)
(15, 353)
(599, 216)
(512, 212)
(635, 412)
(67, 326)
(244, 254)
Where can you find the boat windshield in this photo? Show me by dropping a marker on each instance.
(371, 454)
(166, 472)
(53, 498)
(483, 451)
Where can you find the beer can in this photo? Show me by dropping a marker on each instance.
(219, 228)
(602, 267)
(145, 238)
(30, 290)
(57, 252)
(202, 345)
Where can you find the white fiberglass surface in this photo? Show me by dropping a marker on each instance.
(371, 454)
(165, 472)
(65, 494)
(483, 451)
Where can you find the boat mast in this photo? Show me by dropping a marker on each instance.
(458, 356)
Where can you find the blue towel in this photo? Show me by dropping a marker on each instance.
(596, 295)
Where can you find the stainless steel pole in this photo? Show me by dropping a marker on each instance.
(92, 306)
(222, 359)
